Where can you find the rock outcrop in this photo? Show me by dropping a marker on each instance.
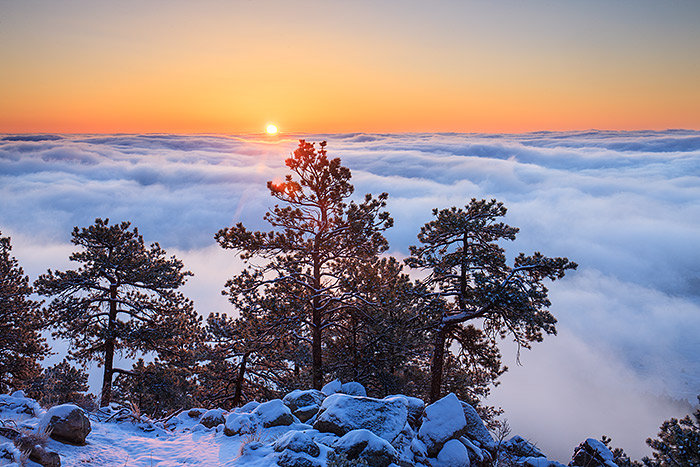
(67, 423)
(342, 413)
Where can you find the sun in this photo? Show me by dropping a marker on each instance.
(271, 129)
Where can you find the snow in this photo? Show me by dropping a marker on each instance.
(332, 387)
(443, 420)
(121, 438)
(453, 454)
(601, 449)
(341, 413)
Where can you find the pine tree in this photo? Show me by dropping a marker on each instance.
(62, 383)
(122, 298)
(379, 341)
(470, 282)
(678, 443)
(156, 388)
(315, 235)
(251, 357)
(21, 322)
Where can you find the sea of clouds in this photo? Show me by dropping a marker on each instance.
(624, 205)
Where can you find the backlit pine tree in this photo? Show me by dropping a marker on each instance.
(21, 322)
(472, 286)
(316, 232)
(122, 298)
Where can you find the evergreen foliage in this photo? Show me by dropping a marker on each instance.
(470, 282)
(678, 443)
(122, 298)
(380, 341)
(62, 383)
(316, 234)
(156, 388)
(21, 321)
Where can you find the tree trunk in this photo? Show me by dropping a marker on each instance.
(237, 395)
(109, 348)
(316, 371)
(437, 364)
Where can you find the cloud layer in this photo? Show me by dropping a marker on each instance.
(625, 206)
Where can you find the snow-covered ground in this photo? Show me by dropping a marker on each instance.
(342, 428)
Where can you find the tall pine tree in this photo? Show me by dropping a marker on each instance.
(21, 322)
(471, 283)
(316, 232)
(122, 298)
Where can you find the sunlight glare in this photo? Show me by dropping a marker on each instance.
(271, 129)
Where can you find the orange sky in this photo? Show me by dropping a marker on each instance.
(332, 66)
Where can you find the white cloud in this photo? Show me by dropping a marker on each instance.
(625, 206)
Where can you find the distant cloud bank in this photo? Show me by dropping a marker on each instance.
(624, 205)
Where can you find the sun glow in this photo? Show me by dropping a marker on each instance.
(271, 129)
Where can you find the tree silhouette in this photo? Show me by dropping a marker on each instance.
(21, 322)
(469, 281)
(315, 234)
(122, 298)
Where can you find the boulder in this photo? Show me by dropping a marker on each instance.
(273, 413)
(341, 413)
(304, 404)
(67, 423)
(297, 459)
(241, 424)
(43, 456)
(332, 387)
(443, 420)
(453, 454)
(31, 444)
(476, 429)
(249, 407)
(297, 441)
(402, 443)
(213, 418)
(415, 408)
(196, 413)
(364, 445)
(353, 389)
(592, 453)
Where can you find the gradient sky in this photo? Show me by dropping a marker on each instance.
(333, 66)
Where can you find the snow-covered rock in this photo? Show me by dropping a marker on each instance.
(415, 408)
(592, 453)
(196, 413)
(341, 413)
(212, 418)
(9, 451)
(304, 404)
(66, 423)
(297, 459)
(273, 413)
(453, 454)
(241, 424)
(442, 420)
(332, 387)
(249, 407)
(476, 429)
(353, 389)
(17, 406)
(364, 445)
(297, 441)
